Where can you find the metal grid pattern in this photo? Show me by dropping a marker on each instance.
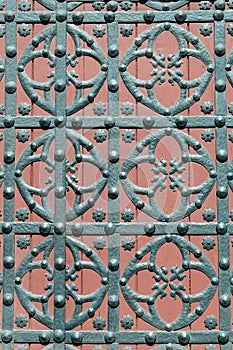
(63, 135)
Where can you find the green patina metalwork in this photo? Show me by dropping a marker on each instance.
(66, 22)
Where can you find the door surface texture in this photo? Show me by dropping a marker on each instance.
(116, 175)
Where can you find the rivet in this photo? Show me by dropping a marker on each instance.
(123, 281)
(220, 5)
(8, 299)
(138, 96)
(225, 300)
(59, 264)
(11, 51)
(168, 328)
(230, 176)
(8, 192)
(8, 262)
(59, 335)
(59, 301)
(45, 17)
(60, 51)
(109, 17)
(104, 281)
(113, 192)
(34, 97)
(221, 228)
(223, 337)
(185, 264)
(44, 337)
(222, 192)
(219, 121)
(88, 252)
(150, 338)
(149, 229)
(105, 173)
(91, 97)
(210, 68)
(76, 338)
(113, 85)
(167, 25)
(61, 15)
(44, 264)
(60, 85)
(76, 122)
(139, 255)
(180, 16)
(91, 312)
(149, 17)
(113, 265)
(113, 51)
(59, 228)
(18, 280)
(196, 146)
(113, 156)
(139, 312)
(44, 122)
(199, 310)
(198, 203)
(168, 238)
(148, 122)
(218, 15)
(77, 17)
(9, 157)
(214, 281)
(90, 202)
(197, 253)
(220, 85)
(140, 204)
(182, 228)
(110, 228)
(34, 251)
(104, 67)
(10, 87)
(224, 263)
(181, 121)
(90, 41)
(7, 336)
(185, 298)
(184, 338)
(113, 301)
(109, 122)
(138, 41)
(9, 16)
(60, 192)
(35, 42)
(44, 228)
(78, 157)
(222, 155)
(18, 173)
(123, 175)
(151, 268)
(112, 6)
(149, 53)
(6, 227)
(213, 174)
(220, 49)
(77, 228)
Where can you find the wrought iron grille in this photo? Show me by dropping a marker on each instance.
(97, 259)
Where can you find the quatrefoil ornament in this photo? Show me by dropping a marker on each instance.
(81, 97)
(188, 46)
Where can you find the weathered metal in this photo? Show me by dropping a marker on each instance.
(64, 121)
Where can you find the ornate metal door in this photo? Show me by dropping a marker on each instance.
(116, 174)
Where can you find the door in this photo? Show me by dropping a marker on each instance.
(116, 174)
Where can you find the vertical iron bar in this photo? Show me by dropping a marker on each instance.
(113, 183)
(9, 166)
(60, 178)
(222, 184)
